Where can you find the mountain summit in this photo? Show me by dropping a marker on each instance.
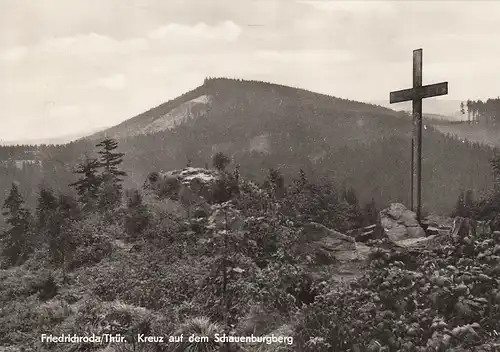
(222, 98)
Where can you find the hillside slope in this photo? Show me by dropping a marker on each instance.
(476, 132)
(261, 126)
(228, 100)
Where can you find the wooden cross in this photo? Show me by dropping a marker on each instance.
(416, 94)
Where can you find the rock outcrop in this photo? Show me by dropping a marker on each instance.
(324, 246)
(173, 184)
(398, 223)
(437, 225)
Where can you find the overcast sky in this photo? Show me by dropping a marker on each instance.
(72, 65)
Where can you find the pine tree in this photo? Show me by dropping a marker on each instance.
(236, 173)
(61, 243)
(370, 213)
(301, 182)
(111, 187)
(276, 183)
(349, 196)
(111, 160)
(47, 203)
(469, 109)
(355, 216)
(88, 185)
(16, 241)
(220, 161)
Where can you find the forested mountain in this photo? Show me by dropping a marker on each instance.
(262, 126)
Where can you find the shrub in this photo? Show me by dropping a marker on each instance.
(200, 327)
(169, 187)
(46, 287)
(92, 242)
(137, 216)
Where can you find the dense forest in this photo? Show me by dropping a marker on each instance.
(482, 111)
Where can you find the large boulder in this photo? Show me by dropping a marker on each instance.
(398, 223)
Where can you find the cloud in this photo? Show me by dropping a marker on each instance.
(306, 56)
(351, 6)
(14, 54)
(225, 31)
(114, 82)
(65, 111)
(91, 44)
(76, 63)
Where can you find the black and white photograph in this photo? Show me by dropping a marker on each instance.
(249, 176)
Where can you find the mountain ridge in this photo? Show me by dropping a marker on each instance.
(209, 88)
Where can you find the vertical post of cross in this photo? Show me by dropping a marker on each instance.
(412, 175)
(416, 94)
(417, 120)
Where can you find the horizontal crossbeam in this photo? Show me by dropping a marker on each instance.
(416, 93)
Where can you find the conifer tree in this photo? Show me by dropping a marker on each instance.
(220, 161)
(88, 185)
(349, 196)
(370, 213)
(47, 203)
(301, 182)
(236, 173)
(110, 160)
(275, 182)
(61, 243)
(111, 187)
(16, 241)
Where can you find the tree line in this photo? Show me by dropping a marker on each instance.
(99, 187)
(481, 111)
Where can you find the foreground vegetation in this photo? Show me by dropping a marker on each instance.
(163, 261)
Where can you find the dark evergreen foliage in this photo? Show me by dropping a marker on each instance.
(275, 183)
(225, 188)
(137, 217)
(88, 184)
(47, 204)
(482, 111)
(325, 136)
(370, 213)
(17, 242)
(110, 161)
(221, 161)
